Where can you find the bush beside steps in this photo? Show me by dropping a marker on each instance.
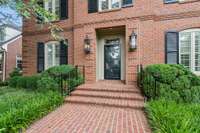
(173, 94)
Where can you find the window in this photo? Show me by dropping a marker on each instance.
(19, 62)
(53, 6)
(189, 49)
(2, 34)
(109, 4)
(52, 54)
(170, 1)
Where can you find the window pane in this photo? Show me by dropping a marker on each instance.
(104, 5)
(115, 3)
(197, 51)
(49, 56)
(185, 49)
(57, 55)
(57, 7)
(185, 60)
(172, 58)
(50, 6)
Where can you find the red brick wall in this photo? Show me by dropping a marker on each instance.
(13, 49)
(149, 19)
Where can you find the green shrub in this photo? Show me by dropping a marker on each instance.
(181, 82)
(47, 83)
(171, 82)
(13, 81)
(55, 72)
(15, 72)
(49, 79)
(3, 83)
(26, 82)
(167, 116)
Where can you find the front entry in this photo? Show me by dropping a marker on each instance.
(112, 60)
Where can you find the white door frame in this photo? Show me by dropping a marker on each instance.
(100, 55)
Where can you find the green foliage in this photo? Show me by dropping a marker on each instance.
(15, 72)
(19, 108)
(53, 73)
(26, 82)
(3, 83)
(57, 70)
(47, 83)
(167, 116)
(173, 82)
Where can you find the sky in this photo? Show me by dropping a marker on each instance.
(14, 18)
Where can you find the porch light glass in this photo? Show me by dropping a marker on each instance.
(133, 41)
(87, 46)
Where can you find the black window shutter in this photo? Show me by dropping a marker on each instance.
(172, 47)
(40, 57)
(92, 6)
(127, 2)
(63, 53)
(39, 17)
(63, 9)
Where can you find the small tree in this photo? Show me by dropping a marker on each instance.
(31, 8)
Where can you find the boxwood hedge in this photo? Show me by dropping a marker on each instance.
(171, 82)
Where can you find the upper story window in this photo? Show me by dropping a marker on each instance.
(112, 4)
(189, 49)
(103, 5)
(2, 34)
(58, 7)
(175, 1)
(53, 6)
(170, 1)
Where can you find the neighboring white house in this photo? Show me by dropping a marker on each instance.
(10, 49)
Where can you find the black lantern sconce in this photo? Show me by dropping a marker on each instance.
(87, 45)
(133, 41)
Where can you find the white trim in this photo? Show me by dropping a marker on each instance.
(53, 43)
(100, 55)
(109, 5)
(192, 52)
(5, 45)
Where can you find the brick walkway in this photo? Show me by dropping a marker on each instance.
(104, 107)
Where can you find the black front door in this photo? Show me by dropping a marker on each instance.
(112, 60)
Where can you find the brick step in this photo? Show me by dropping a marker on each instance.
(109, 95)
(134, 90)
(111, 86)
(136, 104)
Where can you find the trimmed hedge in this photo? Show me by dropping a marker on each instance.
(47, 80)
(64, 70)
(173, 82)
(26, 82)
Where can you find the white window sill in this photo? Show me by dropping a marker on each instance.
(109, 10)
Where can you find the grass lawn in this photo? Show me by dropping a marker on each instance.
(20, 107)
(171, 117)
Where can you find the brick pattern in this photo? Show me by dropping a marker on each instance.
(97, 108)
(13, 49)
(150, 19)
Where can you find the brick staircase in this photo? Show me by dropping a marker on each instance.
(103, 107)
(112, 94)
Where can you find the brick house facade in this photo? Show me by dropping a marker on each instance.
(161, 27)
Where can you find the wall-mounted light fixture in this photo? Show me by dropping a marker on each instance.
(87, 45)
(133, 41)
